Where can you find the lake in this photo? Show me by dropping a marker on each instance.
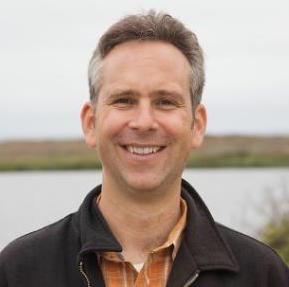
(238, 198)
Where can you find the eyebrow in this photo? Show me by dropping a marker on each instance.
(163, 92)
(121, 93)
(134, 93)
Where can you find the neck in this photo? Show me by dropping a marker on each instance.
(140, 223)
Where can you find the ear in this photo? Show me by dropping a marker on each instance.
(199, 126)
(88, 124)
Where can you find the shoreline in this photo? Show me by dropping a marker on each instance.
(216, 152)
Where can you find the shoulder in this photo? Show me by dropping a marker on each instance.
(43, 243)
(255, 256)
(245, 245)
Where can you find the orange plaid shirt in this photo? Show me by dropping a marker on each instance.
(155, 271)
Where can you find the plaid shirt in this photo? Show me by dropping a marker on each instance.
(119, 273)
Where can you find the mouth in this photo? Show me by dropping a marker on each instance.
(143, 150)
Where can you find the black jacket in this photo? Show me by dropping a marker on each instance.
(211, 255)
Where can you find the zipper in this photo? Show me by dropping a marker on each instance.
(192, 279)
(81, 270)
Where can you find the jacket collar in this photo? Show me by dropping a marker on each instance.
(95, 235)
(203, 246)
(202, 237)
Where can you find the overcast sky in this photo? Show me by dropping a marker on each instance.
(45, 46)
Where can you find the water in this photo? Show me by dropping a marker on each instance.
(238, 198)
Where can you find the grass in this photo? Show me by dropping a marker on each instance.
(217, 151)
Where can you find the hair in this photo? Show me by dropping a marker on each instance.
(151, 26)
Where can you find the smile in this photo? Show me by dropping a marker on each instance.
(143, 150)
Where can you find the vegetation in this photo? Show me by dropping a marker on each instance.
(217, 151)
(277, 236)
(276, 232)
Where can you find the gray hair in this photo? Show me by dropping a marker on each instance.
(150, 27)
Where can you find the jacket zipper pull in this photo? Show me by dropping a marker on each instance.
(192, 279)
(81, 270)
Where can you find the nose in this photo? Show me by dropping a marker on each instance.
(143, 118)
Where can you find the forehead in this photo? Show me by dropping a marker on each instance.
(145, 61)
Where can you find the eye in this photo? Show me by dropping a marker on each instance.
(166, 103)
(123, 102)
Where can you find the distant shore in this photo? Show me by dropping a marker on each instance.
(217, 151)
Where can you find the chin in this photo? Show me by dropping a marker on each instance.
(144, 184)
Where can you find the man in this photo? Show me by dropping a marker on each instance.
(144, 226)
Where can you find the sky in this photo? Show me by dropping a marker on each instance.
(46, 46)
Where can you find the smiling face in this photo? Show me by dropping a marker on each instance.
(143, 127)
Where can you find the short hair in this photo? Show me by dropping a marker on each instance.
(151, 26)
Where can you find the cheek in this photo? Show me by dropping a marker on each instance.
(110, 123)
(178, 126)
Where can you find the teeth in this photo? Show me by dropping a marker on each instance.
(143, 150)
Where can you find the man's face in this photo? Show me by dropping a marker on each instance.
(144, 128)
